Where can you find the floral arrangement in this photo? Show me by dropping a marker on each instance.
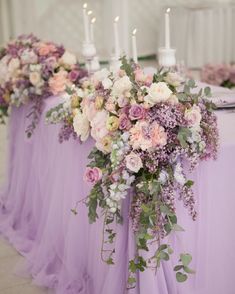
(220, 75)
(147, 129)
(31, 69)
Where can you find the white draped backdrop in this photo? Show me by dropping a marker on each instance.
(202, 31)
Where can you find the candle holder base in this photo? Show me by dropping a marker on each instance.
(166, 57)
(88, 51)
(114, 64)
(95, 64)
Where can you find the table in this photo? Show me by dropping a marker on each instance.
(62, 251)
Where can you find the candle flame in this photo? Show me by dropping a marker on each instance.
(89, 12)
(116, 19)
(134, 32)
(85, 6)
(168, 10)
(93, 20)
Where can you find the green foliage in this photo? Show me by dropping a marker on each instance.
(163, 253)
(207, 92)
(127, 67)
(183, 268)
(189, 183)
(3, 114)
(183, 135)
(98, 159)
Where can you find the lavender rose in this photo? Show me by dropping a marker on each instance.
(136, 112)
(73, 75)
(93, 175)
(124, 122)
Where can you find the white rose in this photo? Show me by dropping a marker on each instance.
(121, 86)
(81, 126)
(178, 174)
(107, 83)
(28, 56)
(133, 162)
(79, 92)
(157, 92)
(35, 78)
(174, 79)
(4, 72)
(101, 74)
(193, 116)
(68, 58)
(13, 65)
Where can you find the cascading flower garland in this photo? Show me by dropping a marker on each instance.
(146, 129)
(31, 69)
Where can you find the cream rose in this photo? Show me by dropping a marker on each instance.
(35, 78)
(121, 86)
(13, 65)
(157, 92)
(174, 79)
(68, 58)
(81, 126)
(133, 162)
(101, 74)
(193, 116)
(107, 83)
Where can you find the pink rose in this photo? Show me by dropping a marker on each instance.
(147, 136)
(139, 138)
(89, 109)
(158, 135)
(124, 122)
(58, 82)
(141, 77)
(93, 175)
(136, 112)
(98, 125)
(110, 105)
(46, 48)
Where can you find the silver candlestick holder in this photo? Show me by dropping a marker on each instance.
(95, 64)
(166, 57)
(115, 63)
(88, 51)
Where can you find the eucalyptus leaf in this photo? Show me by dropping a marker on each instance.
(185, 259)
(177, 228)
(181, 277)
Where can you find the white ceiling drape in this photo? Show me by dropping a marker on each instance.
(201, 30)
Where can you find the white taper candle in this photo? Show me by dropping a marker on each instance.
(167, 28)
(134, 46)
(86, 24)
(116, 37)
(93, 20)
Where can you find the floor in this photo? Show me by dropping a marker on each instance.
(9, 282)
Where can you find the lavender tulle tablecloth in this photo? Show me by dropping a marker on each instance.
(62, 251)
